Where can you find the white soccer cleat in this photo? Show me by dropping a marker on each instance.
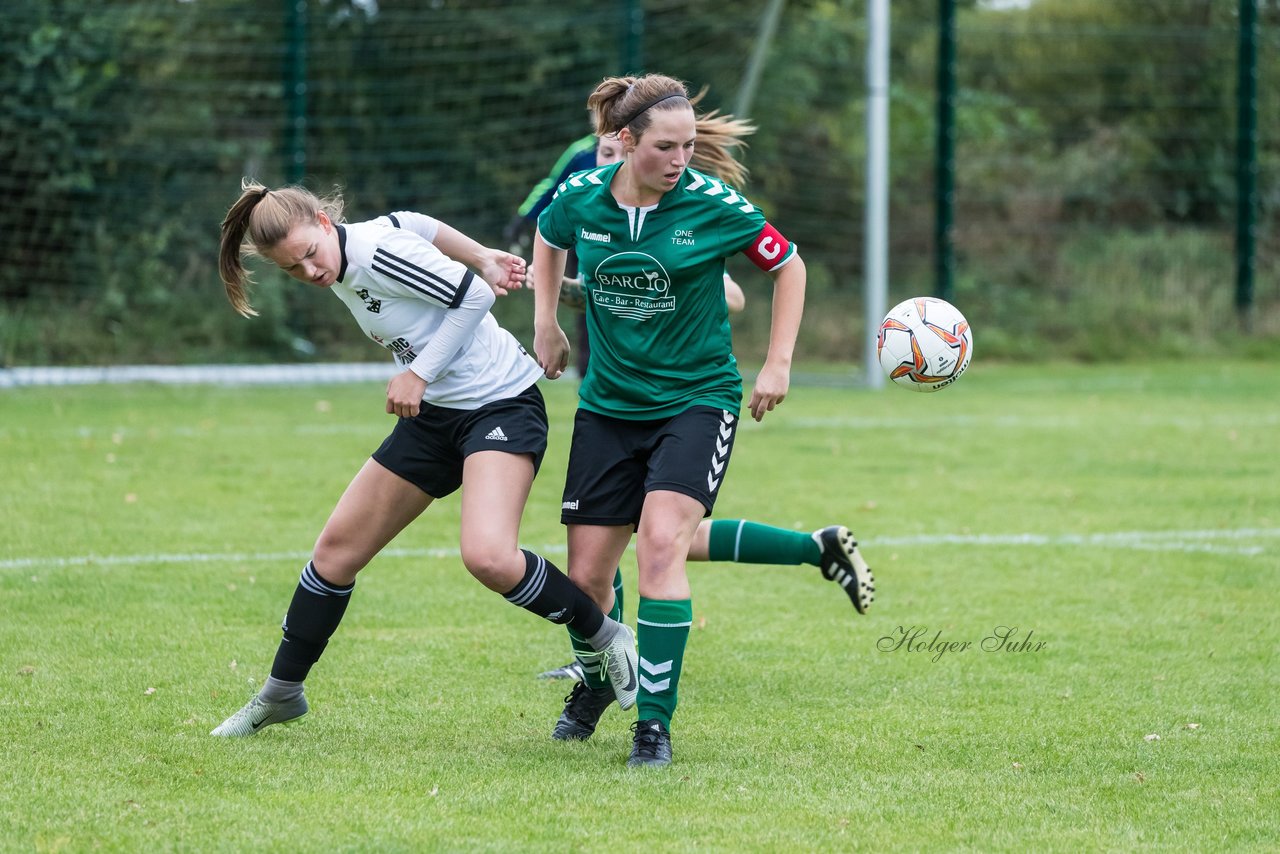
(619, 660)
(256, 715)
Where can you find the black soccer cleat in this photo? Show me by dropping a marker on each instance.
(843, 564)
(582, 710)
(652, 745)
(572, 670)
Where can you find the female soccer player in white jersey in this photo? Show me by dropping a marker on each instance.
(659, 404)
(469, 414)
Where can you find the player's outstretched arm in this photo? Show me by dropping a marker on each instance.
(774, 379)
(502, 270)
(550, 345)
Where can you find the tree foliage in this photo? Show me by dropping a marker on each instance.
(126, 127)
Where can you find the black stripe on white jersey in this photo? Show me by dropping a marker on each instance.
(393, 219)
(424, 281)
(342, 251)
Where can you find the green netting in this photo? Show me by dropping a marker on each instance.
(1095, 156)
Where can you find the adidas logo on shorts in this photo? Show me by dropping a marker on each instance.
(496, 435)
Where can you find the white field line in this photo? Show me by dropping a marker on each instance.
(376, 427)
(1029, 422)
(1236, 541)
(322, 373)
(1214, 540)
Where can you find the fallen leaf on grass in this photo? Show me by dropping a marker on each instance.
(1193, 726)
(1139, 777)
(26, 670)
(1017, 766)
(149, 691)
(1151, 737)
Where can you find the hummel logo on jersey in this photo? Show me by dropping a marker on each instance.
(496, 435)
(596, 236)
(569, 505)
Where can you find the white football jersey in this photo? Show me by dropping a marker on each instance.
(430, 311)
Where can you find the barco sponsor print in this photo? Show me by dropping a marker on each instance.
(634, 285)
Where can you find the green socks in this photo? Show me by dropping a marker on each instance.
(595, 678)
(662, 631)
(740, 541)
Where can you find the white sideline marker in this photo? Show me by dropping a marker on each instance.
(1212, 541)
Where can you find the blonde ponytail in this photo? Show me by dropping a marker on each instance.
(258, 220)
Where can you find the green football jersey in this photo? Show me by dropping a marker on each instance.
(654, 280)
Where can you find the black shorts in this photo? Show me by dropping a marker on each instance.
(614, 463)
(429, 449)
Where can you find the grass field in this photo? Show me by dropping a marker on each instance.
(1124, 519)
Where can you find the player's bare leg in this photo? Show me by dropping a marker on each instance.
(375, 507)
(594, 552)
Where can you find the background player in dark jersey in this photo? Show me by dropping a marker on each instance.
(659, 404)
(577, 156)
(469, 414)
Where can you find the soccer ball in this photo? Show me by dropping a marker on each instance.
(924, 344)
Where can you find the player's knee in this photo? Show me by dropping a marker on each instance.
(596, 585)
(337, 562)
(661, 571)
(496, 568)
(661, 556)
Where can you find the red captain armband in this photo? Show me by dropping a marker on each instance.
(768, 249)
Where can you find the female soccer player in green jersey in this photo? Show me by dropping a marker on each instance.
(831, 548)
(659, 404)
